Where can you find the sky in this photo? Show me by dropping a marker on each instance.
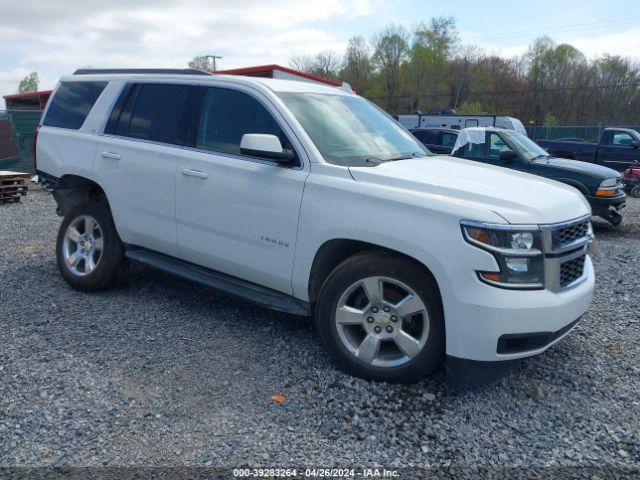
(56, 37)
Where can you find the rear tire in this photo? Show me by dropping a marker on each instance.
(88, 249)
(396, 335)
(635, 191)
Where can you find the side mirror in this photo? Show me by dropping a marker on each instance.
(265, 146)
(508, 156)
(635, 144)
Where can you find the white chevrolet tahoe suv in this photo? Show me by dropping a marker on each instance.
(310, 200)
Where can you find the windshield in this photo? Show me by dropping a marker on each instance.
(527, 148)
(351, 131)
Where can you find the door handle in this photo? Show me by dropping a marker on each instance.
(111, 155)
(194, 173)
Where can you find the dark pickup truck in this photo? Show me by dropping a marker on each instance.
(619, 148)
(600, 185)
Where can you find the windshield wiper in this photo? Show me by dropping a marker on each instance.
(407, 156)
(542, 155)
(373, 160)
(378, 161)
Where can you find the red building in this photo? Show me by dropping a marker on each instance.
(27, 101)
(278, 72)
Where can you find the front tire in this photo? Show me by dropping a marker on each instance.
(615, 218)
(380, 317)
(88, 249)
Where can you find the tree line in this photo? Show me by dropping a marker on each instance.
(428, 69)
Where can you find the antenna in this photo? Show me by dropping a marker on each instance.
(345, 86)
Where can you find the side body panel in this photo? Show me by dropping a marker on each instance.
(238, 214)
(585, 152)
(242, 219)
(424, 227)
(139, 179)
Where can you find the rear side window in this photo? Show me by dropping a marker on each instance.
(72, 103)
(227, 115)
(150, 112)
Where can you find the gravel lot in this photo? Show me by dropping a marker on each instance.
(162, 372)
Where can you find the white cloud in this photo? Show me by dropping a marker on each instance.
(626, 44)
(58, 37)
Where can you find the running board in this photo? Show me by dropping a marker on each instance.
(233, 286)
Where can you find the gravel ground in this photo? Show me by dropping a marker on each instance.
(161, 372)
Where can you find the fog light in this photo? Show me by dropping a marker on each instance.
(517, 264)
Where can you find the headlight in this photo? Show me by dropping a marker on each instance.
(517, 250)
(608, 188)
(609, 182)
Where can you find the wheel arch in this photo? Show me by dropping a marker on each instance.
(70, 190)
(573, 183)
(333, 252)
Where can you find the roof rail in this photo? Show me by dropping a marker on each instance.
(172, 71)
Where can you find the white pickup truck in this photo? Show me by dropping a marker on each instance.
(311, 200)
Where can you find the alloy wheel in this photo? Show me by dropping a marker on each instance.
(382, 321)
(82, 246)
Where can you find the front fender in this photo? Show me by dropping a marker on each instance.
(573, 183)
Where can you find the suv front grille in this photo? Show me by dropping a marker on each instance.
(565, 247)
(571, 271)
(566, 235)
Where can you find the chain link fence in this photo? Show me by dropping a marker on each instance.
(587, 133)
(17, 128)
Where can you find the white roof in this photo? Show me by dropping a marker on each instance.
(272, 84)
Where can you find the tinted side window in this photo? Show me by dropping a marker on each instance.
(426, 136)
(157, 113)
(227, 115)
(448, 139)
(496, 146)
(72, 103)
(622, 138)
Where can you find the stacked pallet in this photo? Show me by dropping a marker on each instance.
(13, 186)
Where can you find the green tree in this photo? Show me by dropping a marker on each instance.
(356, 67)
(390, 50)
(429, 59)
(472, 108)
(29, 83)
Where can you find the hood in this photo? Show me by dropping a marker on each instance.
(517, 197)
(597, 172)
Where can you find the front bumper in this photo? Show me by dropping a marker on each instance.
(463, 373)
(482, 315)
(602, 205)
